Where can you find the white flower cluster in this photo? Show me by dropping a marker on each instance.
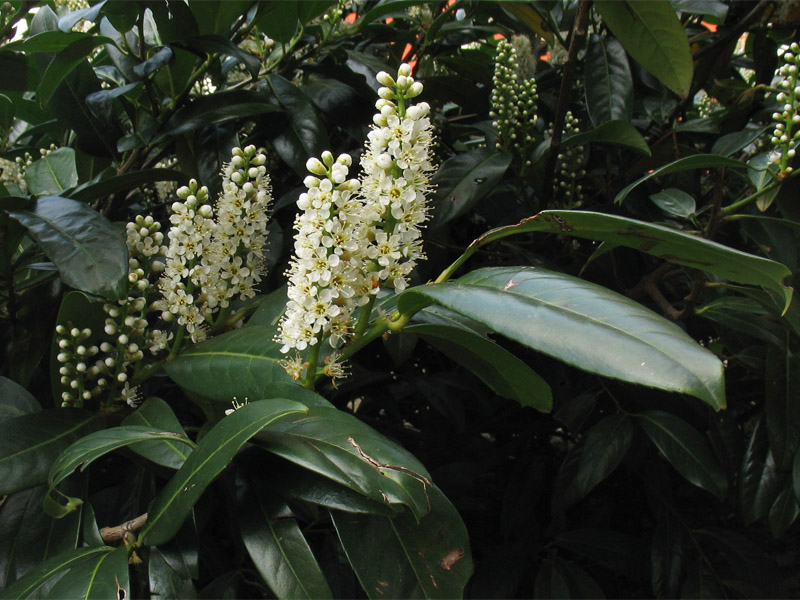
(209, 262)
(327, 275)
(786, 135)
(397, 169)
(514, 99)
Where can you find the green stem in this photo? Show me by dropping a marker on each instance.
(736, 206)
(221, 320)
(363, 318)
(176, 346)
(313, 359)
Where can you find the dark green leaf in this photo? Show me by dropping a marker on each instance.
(796, 475)
(697, 161)
(503, 372)
(652, 34)
(52, 173)
(219, 107)
(280, 21)
(401, 557)
(244, 363)
(305, 135)
(730, 144)
(63, 64)
(15, 400)
(338, 446)
(89, 252)
(26, 586)
(686, 450)
(19, 76)
(569, 318)
(662, 242)
(214, 452)
(90, 13)
(760, 481)
(675, 202)
(608, 82)
(782, 380)
(618, 133)
(617, 551)
(270, 309)
(216, 44)
(668, 554)
(47, 41)
(559, 578)
(606, 445)
(161, 58)
(29, 444)
(81, 453)
(278, 549)
(463, 180)
(784, 512)
(126, 181)
(714, 8)
(104, 576)
(165, 582)
(156, 414)
(218, 17)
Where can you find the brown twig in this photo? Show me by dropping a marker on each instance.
(575, 44)
(120, 532)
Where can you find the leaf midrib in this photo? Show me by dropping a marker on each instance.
(48, 441)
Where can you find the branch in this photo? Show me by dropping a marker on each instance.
(120, 532)
(577, 38)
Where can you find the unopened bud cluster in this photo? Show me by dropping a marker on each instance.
(569, 188)
(514, 104)
(786, 136)
(78, 369)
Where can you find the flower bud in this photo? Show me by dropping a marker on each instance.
(315, 166)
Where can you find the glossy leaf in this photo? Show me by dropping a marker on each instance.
(569, 318)
(164, 581)
(675, 202)
(31, 443)
(278, 549)
(217, 108)
(669, 554)
(608, 83)
(105, 575)
(89, 252)
(63, 64)
(53, 173)
(663, 242)
(214, 452)
(161, 58)
(617, 551)
(784, 511)
(401, 557)
(47, 41)
(15, 401)
(336, 445)
(217, 44)
(688, 163)
(154, 413)
(305, 135)
(652, 34)
(760, 481)
(617, 133)
(27, 586)
(81, 453)
(244, 363)
(125, 182)
(558, 578)
(782, 379)
(686, 450)
(606, 445)
(463, 180)
(503, 372)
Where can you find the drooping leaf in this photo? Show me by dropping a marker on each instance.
(164, 581)
(244, 363)
(569, 318)
(217, 44)
(605, 447)
(608, 82)
(126, 181)
(81, 453)
(279, 550)
(154, 413)
(760, 482)
(782, 404)
(105, 575)
(400, 557)
(338, 446)
(27, 585)
(53, 173)
(15, 401)
(29, 444)
(161, 58)
(47, 41)
(668, 554)
(686, 450)
(463, 180)
(503, 372)
(784, 511)
(674, 202)
(305, 134)
(64, 62)
(214, 452)
(662, 242)
(219, 107)
(652, 34)
(89, 252)
(688, 163)
(617, 133)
